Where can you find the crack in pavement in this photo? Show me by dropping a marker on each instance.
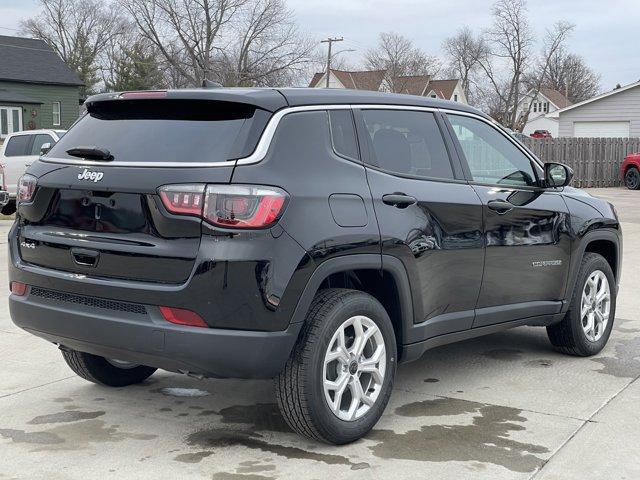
(581, 427)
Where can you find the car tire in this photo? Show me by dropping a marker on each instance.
(106, 372)
(301, 390)
(9, 208)
(570, 335)
(632, 178)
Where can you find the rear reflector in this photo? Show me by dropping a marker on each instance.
(18, 288)
(180, 316)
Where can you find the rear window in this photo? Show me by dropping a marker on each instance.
(166, 130)
(17, 146)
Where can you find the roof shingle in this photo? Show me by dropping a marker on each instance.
(33, 61)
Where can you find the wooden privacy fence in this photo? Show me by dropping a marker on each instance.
(595, 161)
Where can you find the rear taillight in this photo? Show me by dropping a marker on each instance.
(228, 206)
(180, 316)
(183, 199)
(26, 187)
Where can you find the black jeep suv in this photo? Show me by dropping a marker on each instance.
(317, 237)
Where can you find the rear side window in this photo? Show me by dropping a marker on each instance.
(166, 130)
(408, 143)
(343, 133)
(17, 146)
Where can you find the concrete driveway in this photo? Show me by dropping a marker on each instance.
(503, 406)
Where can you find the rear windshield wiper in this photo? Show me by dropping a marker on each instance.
(94, 153)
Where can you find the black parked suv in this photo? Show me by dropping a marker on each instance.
(317, 237)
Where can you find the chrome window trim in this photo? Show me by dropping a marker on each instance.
(269, 132)
(258, 154)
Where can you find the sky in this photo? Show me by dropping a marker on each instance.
(606, 34)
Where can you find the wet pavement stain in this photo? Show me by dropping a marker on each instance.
(63, 399)
(37, 438)
(239, 476)
(64, 417)
(485, 440)
(431, 380)
(503, 354)
(195, 457)
(73, 436)
(218, 439)
(262, 417)
(626, 363)
(252, 466)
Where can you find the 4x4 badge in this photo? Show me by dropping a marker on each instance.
(91, 176)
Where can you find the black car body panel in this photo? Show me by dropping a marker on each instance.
(101, 257)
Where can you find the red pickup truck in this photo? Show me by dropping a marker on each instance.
(630, 171)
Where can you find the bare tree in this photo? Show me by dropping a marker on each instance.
(464, 52)
(400, 59)
(512, 43)
(269, 50)
(131, 62)
(569, 74)
(78, 31)
(554, 40)
(236, 42)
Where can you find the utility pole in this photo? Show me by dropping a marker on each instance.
(330, 42)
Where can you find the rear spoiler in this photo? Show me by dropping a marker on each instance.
(267, 99)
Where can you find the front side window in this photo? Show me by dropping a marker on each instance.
(56, 114)
(408, 143)
(38, 141)
(492, 158)
(18, 145)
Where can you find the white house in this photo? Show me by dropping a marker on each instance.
(376, 80)
(540, 106)
(612, 114)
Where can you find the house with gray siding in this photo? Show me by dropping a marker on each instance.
(37, 89)
(615, 114)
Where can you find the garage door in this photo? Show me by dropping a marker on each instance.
(601, 129)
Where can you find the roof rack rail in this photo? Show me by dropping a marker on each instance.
(210, 84)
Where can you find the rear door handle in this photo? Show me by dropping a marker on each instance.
(398, 200)
(500, 206)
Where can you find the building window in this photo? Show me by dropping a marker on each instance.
(546, 107)
(455, 97)
(10, 120)
(535, 107)
(56, 114)
(434, 96)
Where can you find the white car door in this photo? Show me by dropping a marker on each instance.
(16, 156)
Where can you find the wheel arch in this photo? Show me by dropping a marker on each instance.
(605, 242)
(383, 277)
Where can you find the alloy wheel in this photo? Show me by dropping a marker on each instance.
(354, 368)
(595, 306)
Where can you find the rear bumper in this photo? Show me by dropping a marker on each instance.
(147, 339)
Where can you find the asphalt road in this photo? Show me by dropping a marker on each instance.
(504, 406)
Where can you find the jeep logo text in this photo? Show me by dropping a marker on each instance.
(91, 176)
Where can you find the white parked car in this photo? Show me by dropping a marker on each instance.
(20, 150)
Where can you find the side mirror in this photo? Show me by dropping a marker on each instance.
(45, 148)
(557, 175)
